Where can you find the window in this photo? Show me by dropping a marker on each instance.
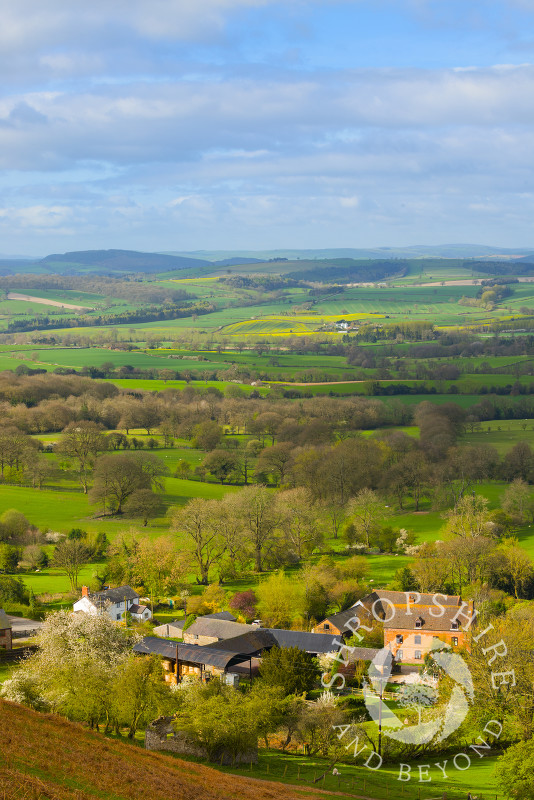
(418, 623)
(455, 641)
(398, 638)
(119, 616)
(399, 655)
(455, 625)
(418, 655)
(326, 626)
(417, 640)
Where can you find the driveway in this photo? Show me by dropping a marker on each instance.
(23, 628)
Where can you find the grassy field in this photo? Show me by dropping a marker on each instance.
(60, 508)
(357, 780)
(502, 434)
(438, 305)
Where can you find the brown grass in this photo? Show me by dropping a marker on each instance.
(44, 756)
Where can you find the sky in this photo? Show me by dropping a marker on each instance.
(175, 125)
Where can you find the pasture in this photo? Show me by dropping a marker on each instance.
(355, 779)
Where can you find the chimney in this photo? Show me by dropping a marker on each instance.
(85, 591)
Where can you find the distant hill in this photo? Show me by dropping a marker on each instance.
(236, 261)
(45, 756)
(376, 253)
(118, 261)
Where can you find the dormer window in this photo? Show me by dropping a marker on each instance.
(455, 625)
(418, 623)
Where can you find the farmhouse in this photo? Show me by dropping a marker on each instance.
(5, 631)
(410, 635)
(113, 602)
(412, 621)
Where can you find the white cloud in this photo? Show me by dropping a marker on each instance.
(250, 120)
(129, 119)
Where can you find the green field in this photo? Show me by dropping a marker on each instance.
(356, 780)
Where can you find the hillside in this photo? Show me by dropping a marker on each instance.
(45, 756)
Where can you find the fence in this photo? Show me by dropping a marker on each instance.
(19, 653)
(363, 784)
(23, 634)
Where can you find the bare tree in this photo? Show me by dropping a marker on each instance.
(71, 556)
(83, 441)
(197, 521)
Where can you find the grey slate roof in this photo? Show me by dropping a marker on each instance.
(341, 618)
(249, 643)
(429, 623)
(136, 609)
(220, 615)
(177, 623)
(110, 596)
(218, 628)
(360, 654)
(192, 653)
(400, 598)
(310, 642)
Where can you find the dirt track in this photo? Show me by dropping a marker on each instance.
(45, 302)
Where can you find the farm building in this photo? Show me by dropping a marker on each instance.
(173, 630)
(314, 643)
(191, 660)
(5, 631)
(213, 628)
(412, 621)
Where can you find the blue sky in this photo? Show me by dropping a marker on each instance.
(239, 124)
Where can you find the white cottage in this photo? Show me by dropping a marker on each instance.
(113, 602)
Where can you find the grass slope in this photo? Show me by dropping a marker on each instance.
(46, 756)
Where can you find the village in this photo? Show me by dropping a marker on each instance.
(219, 647)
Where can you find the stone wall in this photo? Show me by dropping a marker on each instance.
(161, 736)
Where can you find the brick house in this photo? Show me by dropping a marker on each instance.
(411, 621)
(5, 631)
(418, 623)
(336, 624)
